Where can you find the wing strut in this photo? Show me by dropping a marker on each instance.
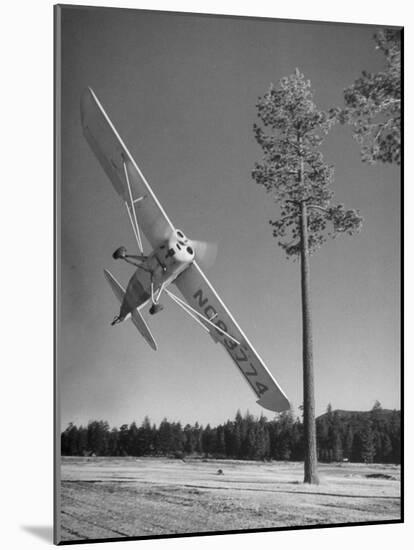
(197, 316)
(133, 220)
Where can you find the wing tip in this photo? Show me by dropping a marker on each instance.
(275, 401)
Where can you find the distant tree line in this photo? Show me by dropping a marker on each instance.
(373, 436)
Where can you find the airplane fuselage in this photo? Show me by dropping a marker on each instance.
(161, 268)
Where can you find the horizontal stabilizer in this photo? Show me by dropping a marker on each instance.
(116, 287)
(142, 327)
(136, 317)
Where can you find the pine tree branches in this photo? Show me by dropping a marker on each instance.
(293, 170)
(373, 104)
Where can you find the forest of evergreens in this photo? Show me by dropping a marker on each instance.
(371, 436)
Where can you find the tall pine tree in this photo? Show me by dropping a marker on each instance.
(294, 172)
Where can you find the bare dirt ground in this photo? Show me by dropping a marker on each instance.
(118, 497)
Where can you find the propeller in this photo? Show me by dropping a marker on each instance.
(205, 252)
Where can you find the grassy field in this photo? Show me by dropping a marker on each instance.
(118, 497)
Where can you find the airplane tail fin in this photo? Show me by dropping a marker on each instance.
(136, 317)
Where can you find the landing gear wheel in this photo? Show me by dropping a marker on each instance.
(116, 320)
(119, 253)
(155, 308)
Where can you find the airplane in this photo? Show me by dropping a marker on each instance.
(172, 260)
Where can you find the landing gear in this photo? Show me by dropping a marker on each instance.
(155, 296)
(120, 253)
(137, 261)
(116, 320)
(155, 308)
(141, 262)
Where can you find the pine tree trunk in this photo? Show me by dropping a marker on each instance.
(311, 475)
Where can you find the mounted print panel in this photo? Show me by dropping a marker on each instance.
(228, 270)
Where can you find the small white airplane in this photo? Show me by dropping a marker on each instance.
(172, 259)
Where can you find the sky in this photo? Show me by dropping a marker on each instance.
(181, 91)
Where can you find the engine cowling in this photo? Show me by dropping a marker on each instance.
(180, 248)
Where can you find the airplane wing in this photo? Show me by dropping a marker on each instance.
(202, 297)
(144, 210)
